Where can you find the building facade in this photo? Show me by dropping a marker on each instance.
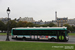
(71, 22)
(42, 23)
(28, 19)
(5, 20)
(61, 21)
(54, 21)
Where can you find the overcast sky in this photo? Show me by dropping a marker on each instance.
(38, 9)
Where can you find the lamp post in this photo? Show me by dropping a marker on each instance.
(8, 12)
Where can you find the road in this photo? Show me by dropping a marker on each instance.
(71, 40)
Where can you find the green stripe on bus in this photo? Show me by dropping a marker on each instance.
(61, 37)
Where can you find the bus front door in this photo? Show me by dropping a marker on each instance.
(61, 36)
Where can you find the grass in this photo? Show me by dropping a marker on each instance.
(3, 33)
(33, 46)
(71, 34)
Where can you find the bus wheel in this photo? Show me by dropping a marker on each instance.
(66, 40)
(37, 39)
(24, 38)
(12, 38)
(50, 40)
(16, 37)
(57, 40)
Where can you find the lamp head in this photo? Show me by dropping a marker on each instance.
(8, 10)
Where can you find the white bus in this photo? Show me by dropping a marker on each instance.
(38, 33)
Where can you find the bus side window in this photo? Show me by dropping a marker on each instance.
(35, 32)
(32, 32)
(50, 33)
(43, 32)
(39, 32)
(24, 32)
(17, 32)
(47, 32)
(27, 32)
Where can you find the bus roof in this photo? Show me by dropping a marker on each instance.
(40, 28)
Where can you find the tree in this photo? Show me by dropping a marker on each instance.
(12, 24)
(52, 25)
(29, 24)
(22, 24)
(2, 26)
(68, 27)
(45, 25)
(73, 28)
(37, 25)
(19, 24)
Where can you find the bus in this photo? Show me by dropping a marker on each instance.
(41, 33)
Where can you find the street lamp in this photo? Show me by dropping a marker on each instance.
(8, 12)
